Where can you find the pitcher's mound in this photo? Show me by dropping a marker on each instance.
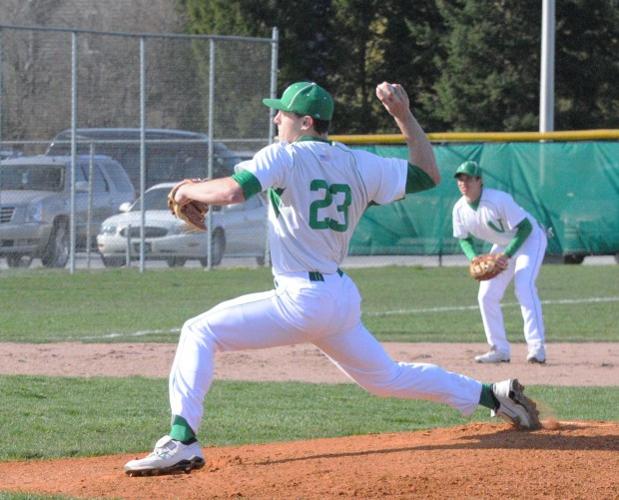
(563, 460)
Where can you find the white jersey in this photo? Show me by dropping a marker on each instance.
(494, 220)
(319, 191)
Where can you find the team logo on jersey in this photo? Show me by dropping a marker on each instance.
(500, 229)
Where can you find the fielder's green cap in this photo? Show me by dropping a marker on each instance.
(304, 98)
(470, 168)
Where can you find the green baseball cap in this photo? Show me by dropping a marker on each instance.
(304, 98)
(470, 168)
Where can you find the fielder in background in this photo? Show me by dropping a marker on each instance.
(520, 242)
(318, 191)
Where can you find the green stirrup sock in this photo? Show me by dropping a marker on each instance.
(181, 431)
(487, 398)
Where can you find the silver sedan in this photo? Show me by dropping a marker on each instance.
(237, 230)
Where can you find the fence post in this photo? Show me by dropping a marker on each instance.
(142, 149)
(91, 169)
(274, 55)
(274, 50)
(73, 149)
(128, 252)
(211, 104)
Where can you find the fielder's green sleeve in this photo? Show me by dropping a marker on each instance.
(417, 180)
(466, 244)
(524, 230)
(249, 183)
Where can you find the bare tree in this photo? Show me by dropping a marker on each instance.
(36, 71)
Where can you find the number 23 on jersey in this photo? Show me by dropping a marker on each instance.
(322, 215)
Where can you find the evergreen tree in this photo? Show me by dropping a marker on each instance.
(587, 65)
(489, 79)
(466, 64)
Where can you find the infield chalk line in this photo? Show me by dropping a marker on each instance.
(141, 333)
(396, 312)
(589, 300)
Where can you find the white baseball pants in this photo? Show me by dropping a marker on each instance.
(523, 268)
(325, 313)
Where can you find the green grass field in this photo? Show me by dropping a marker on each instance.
(52, 417)
(400, 303)
(45, 417)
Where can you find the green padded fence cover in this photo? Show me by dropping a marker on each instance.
(571, 188)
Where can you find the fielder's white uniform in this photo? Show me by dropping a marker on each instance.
(319, 192)
(495, 220)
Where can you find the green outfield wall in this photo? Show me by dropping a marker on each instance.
(570, 186)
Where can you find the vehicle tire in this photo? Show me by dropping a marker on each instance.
(113, 261)
(260, 260)
(56, 252)
(218, 247)
(617, 258)
(573, 258)
(18, 260)
(176, 261)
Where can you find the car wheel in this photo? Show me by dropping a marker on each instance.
(18, 260)
(56, 252)
(260, 260)
(218, 247)
(573, 258)
(176, 261)
(113, 261)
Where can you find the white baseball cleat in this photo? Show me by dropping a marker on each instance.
(493, 356)
(169, 456)
(514, 406)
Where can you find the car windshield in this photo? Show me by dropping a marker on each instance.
(154, 199)
(31, 177)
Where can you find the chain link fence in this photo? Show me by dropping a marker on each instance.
(94, 128)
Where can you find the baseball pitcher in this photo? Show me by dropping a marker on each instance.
(318, 191)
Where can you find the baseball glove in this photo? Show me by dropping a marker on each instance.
(485, 267)
(193, 212)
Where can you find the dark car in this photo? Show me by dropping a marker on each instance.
(170, 155)
(35, 199)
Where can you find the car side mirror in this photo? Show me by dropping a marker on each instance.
(124, 207)
(81, 187)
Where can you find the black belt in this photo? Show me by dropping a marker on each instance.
(317, 276)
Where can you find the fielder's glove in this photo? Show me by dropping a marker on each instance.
(192, 212)
(486, 266)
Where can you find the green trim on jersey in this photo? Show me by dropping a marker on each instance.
(417, 180)
(499, 229)
(276, 200)
(249, 183)
(305, 138)
(466, 244)
(524, 230)
(474, 205)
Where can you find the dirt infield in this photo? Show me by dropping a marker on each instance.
(578, 460)
(563, 460)
(586, 364)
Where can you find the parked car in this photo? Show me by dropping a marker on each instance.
(35, 194)
(170, 154)
(236, 230)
